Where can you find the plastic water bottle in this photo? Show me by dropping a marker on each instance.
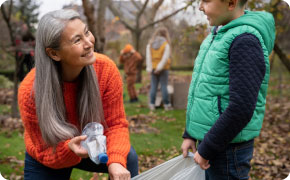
(95, 143)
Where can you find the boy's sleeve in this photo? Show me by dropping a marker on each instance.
(246, 73)
(187, 136)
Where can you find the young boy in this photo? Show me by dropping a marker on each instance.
(130, 58)
(227, 95)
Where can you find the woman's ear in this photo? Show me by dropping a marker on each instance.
(52, 53)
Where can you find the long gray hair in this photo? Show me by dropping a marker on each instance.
(49, 99)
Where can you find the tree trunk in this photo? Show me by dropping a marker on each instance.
(136, 40)
(97, 27)
(282, 56)
(89, 13)
(101, 25)
(7, 15)
(15, 112)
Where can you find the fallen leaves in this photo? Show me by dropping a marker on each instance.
(6, 96)
(9, 124)
(147, 162)
(140, 123)
(271, 159)
(16, 165)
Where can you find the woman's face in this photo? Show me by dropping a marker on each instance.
(76, 48)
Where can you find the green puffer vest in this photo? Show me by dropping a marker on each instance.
(209, 88)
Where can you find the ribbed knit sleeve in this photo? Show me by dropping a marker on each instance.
(111, 89)
(62, 156)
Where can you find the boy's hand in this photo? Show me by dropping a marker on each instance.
(75, 146)
(186, 145)
(203, 163)
(118, 172)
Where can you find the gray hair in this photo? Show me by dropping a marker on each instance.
(49, 99)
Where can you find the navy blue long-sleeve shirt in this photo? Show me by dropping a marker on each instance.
(246, 73)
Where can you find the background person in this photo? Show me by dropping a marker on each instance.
(130, 58)
(158, 64)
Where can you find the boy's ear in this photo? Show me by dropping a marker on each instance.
(53, 54)
(233, 4)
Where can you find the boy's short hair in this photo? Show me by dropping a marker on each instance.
(241, 2)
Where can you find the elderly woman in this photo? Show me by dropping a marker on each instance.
(69, 87)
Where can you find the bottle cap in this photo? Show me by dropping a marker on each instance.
(103, 158)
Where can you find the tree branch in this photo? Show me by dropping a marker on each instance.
(166, 17)
(10, 9)
(117, 13)
(282, 56)
(135, 4)
(142, 10)
(156, 6)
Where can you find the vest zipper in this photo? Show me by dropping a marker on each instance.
(219, 105)
(214, 34)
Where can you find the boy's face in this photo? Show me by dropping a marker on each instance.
(217, 11)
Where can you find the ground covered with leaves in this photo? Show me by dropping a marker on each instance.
(271, 155)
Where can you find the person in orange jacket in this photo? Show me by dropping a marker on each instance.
(130, 58)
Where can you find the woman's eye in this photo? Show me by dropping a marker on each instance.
(87, 32)
(77, 40)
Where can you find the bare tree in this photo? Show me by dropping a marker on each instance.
(278, 9)
(282, 56)
(136, 29)
(96, 24)
(7, 13)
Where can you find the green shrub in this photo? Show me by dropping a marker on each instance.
(5, 82)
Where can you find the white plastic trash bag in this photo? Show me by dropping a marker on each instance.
(178, 168)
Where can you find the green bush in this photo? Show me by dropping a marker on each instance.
(5, 82)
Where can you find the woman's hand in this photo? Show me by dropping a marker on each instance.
(186, 145)
(75, 146)
(203, 163)
(118, 172)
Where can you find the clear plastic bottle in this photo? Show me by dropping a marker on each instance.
(95, 143)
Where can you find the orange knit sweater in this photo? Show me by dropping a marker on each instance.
(110, 85)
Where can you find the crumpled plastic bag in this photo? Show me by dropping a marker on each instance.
(178, 168)
(95, 143)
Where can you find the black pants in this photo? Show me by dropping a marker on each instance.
(33, 170)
